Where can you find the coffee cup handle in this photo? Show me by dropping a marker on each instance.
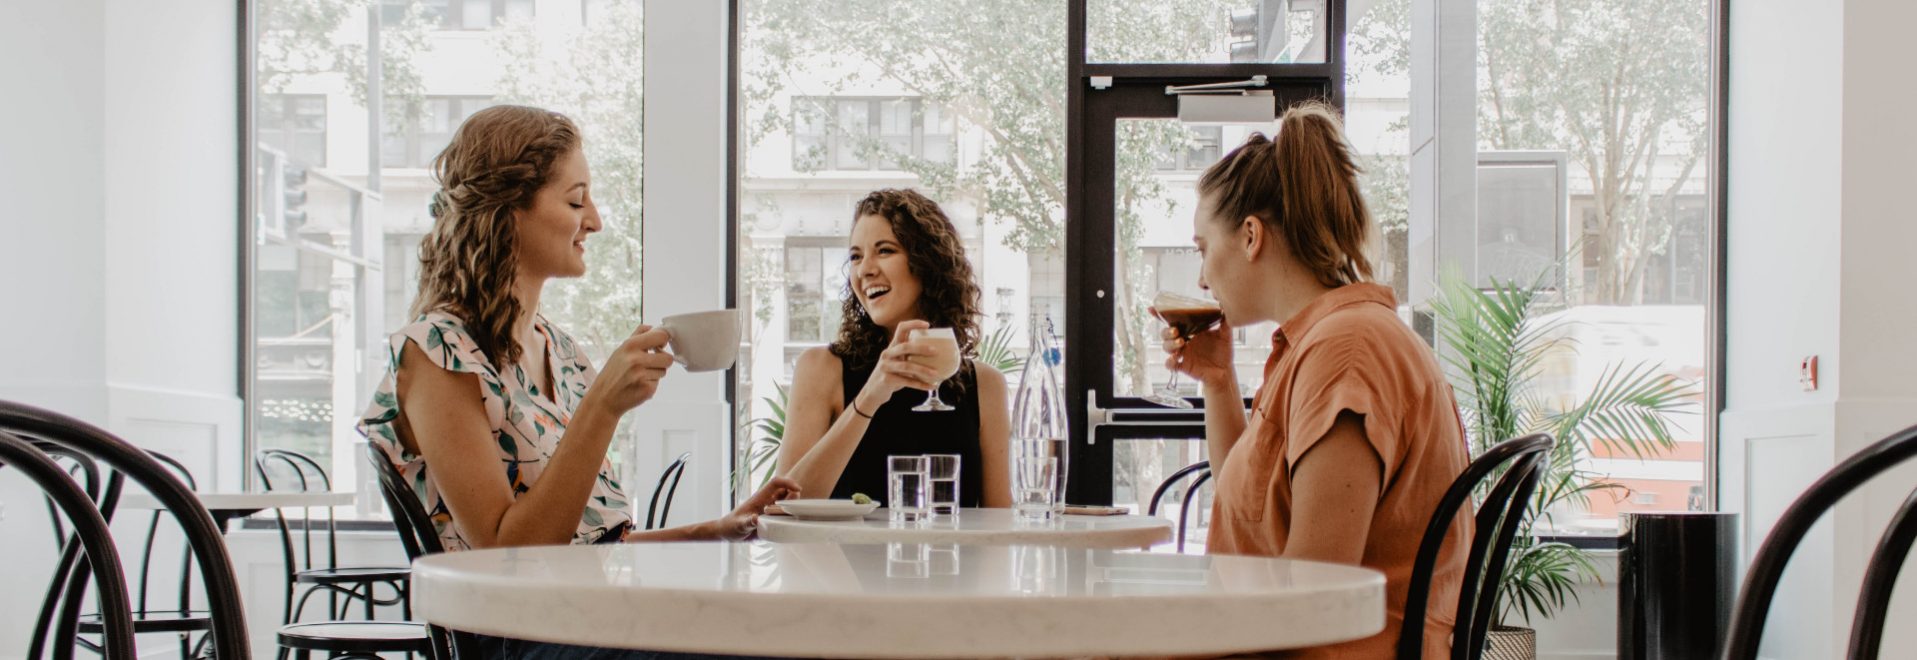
(671, 338)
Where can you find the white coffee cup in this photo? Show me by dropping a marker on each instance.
(704, 341)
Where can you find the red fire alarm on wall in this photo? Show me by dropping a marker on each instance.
(1807, 374)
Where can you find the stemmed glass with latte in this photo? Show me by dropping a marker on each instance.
(941, 356)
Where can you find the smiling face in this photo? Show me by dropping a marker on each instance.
(881, 277)
(553, 229)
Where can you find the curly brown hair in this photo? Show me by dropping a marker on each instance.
(948, 297)
(497, 160)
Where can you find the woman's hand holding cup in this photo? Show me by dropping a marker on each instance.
(631, 374)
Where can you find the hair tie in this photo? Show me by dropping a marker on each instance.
(438, 205)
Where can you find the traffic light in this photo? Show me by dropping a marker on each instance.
(293, 196)
(1244, 35)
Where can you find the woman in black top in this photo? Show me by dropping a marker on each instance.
(852, 401)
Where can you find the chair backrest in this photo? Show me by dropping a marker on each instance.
(301, 472)
(1203, 470)
(1880, 575)
(203, 536)
(90, 533)
(84, 472)
(416, 531)
(420, 538)
(185, 593)
(672, 472)
(1515, 462)
(104, 496)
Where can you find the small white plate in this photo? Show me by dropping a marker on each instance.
(827, 509)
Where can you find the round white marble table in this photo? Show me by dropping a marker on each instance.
(974, 527)
(896, 600)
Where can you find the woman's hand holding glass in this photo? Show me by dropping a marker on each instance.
(898, 370)
(1204, 356)
(631, 374)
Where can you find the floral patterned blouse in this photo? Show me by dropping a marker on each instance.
(527, 425)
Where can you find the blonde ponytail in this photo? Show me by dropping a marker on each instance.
(1304, 187)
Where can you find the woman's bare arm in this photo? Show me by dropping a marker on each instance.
(1335, 488)
(994, 439)
(819, 435)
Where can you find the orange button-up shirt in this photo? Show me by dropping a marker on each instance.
(1347, 351)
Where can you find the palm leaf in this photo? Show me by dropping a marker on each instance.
(764, 448)
(996, 350)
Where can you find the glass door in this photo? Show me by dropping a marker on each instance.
(1131, 176)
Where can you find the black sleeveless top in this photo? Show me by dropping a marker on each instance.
(896, 429)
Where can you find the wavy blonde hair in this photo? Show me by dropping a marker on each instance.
(497, 160)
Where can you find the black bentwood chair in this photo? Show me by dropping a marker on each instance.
(105, 495)
(672, 473)
(68, 500)
(1880, 575)
(206, 547)
(1203, 470)
(420, 538)
(1498, 519)
(182, 620)
(297, 471)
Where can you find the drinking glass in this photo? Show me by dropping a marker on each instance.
(905, 476)
(1189, 316)
(944, 360)
(943, 479)
(1035, 480)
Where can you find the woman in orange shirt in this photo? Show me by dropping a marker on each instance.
(1354, 434)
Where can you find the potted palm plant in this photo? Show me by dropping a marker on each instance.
(1496, 343)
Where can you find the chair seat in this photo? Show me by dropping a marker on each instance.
(155, 622)
(354, 574)
(358, 636)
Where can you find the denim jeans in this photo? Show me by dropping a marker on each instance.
(501, 648)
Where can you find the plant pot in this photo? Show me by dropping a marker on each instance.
(1509, 643)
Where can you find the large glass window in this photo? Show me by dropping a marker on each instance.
(961, 100)
(1622, 91)
(337, 250)
(1615, 221)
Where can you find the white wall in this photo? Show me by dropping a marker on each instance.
(172, 232)
(50, 169)
(1820, 166)
(118, 258)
